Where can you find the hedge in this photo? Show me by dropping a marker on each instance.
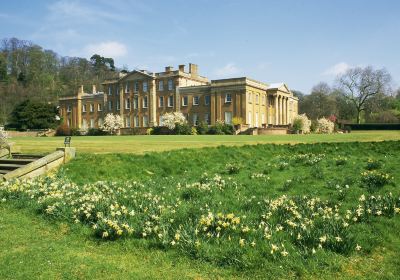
(373, 126)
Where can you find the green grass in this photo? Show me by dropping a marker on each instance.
(327, 165)
(156, 143)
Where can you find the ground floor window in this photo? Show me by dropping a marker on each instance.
(127, 121)
(256, 124)
(207, 118)
(136, 121)
(100, 122)
(145, 121)
(195, 118)
(91, 123)
(160, 121)
(84, 124)
(250, 121)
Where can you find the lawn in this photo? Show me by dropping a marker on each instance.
(311, 211)
(156, 143)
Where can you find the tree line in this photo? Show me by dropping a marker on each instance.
(361, 95)
(27, 71)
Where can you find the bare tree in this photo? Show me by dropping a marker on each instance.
(359, 84)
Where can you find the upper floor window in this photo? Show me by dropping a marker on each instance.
(171, 101)
(196, 100)
(127, 104)
(263, 100)
(145, 102)
(207, 100)
(228, 98)
(250, 98)
(170, 85)
(161, 85)
(161, 101)
(136, 87)
(185, 101)
(135, 102)
(110, 105)
(144, 86)
(256, 98)
(118, 105)
(84, 108)
(91, 107)
(117, 91)
(109, 90)
(99, 107)
(69, 108)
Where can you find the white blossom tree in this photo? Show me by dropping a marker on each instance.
(170, 120)
(325, 125)
(304, 121)
(112, 123)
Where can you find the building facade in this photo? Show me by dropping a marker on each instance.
(141, 98)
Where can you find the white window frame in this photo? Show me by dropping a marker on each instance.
(109, 90)
(196, 100)
(100, 122)
(171, 101)
(195, 119)
(135, 86)
(207, 118)
(69, 109)
(161, 85)
(161, 101)
(136, 102)
(84, 124)
(99, 107)
(145, 86)
(145, 102)
(118, 104)
(145, 120)
(136, 121)
(128, 121)
(84, 108)
(228, 100)
(110, 105)
(91, 107)
(91, 123)
(228, 119)
(183, 101)
(127, 104)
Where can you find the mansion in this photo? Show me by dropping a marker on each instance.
(141, 98)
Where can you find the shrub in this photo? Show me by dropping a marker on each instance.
(237, 121)
(112, 123)
(305, 122)
(325, 126)
(63, 130)
(314, 126)
(217, 128)
(170, 120)
(297, 124)
(374, 179)
(202, 128)
(75, 132)
(182, 129)
(228, 129)
(194, 131)
(232, 168)
(340, 160)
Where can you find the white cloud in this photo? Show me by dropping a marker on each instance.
(108, 49)
(227, 70)
(337, 69)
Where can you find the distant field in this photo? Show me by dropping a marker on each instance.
(155, 143)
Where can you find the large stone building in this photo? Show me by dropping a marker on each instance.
(141, 98)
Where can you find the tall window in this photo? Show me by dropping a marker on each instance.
(256, 122)
(185, 100)
(161, 85)
(250, 121)
(136, 87)
(99, 107)
(171, 101)
(250, 98)
(110, 105)
(161, 101)
(118, 105)
(145, 103)
(100, 122)
(145, 121)
(84, 108)
(136, 121)
(170, 85)
(228, 117)
(127, 121)
(228, 98)
(117, 91)
(262, 118)
(144, 86)
(207, 118)
(84, 124)
(91, 123)
(109, 90)
(207, 100)
(127, 104)
(135, 102)
(196, 100)
(195, 119)
(126, 87)
(263, 100)
(256, 98)
(161, 121)
(91, 107)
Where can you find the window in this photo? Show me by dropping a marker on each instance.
(263, 100)
(195, 119)
(127, 122)
(256, 98)
(91, 123)
(207, 100)
(100, 122)
(117, 91)
(144, 86)
(68, 122)
(84, 108)
(126, 87)
(228, 117)
(250, 119)
(84, 124)
(135, 102)
(109, 90)
(207, 118)
(145, 102)
(127, 104)
(110, 105)
(91, 107)
(99, 107)
(161, 85)
(256, 122)
(136, 87)
(69, 108)
(185, 100)
(161, 101)
(118, 105)
(161, 121)
(262, 118)
(228, 98)
(196, 100)
(136, 121)
(170, 85)
(250, 98)
(171, 101)
(145, 121)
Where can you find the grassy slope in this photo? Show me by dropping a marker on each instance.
(154, 143)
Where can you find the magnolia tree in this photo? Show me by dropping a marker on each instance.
(325, 126)
(4, 139)
(112, 123)
(170, 120)
(303, 122)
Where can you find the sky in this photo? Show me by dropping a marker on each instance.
(298, 42)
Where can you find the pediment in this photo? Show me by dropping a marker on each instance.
(136, 75)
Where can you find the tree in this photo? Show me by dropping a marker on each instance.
(320, 103)
(170, 120)
(358, 85)
(33, 115)
(112, 123)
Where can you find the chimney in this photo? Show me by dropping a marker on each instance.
(193, 68)
(168, 69)
(94, 89)
(182, 67)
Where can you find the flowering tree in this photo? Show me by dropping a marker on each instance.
(112, 123)
(170, 120)
(305, 122)
(325, 126)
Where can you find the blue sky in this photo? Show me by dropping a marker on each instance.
(297, 42)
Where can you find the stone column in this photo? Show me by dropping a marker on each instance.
(281, 110)
(153, 103)
(79, 108)
(284, 110)
(276, 121)
(287, 110)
